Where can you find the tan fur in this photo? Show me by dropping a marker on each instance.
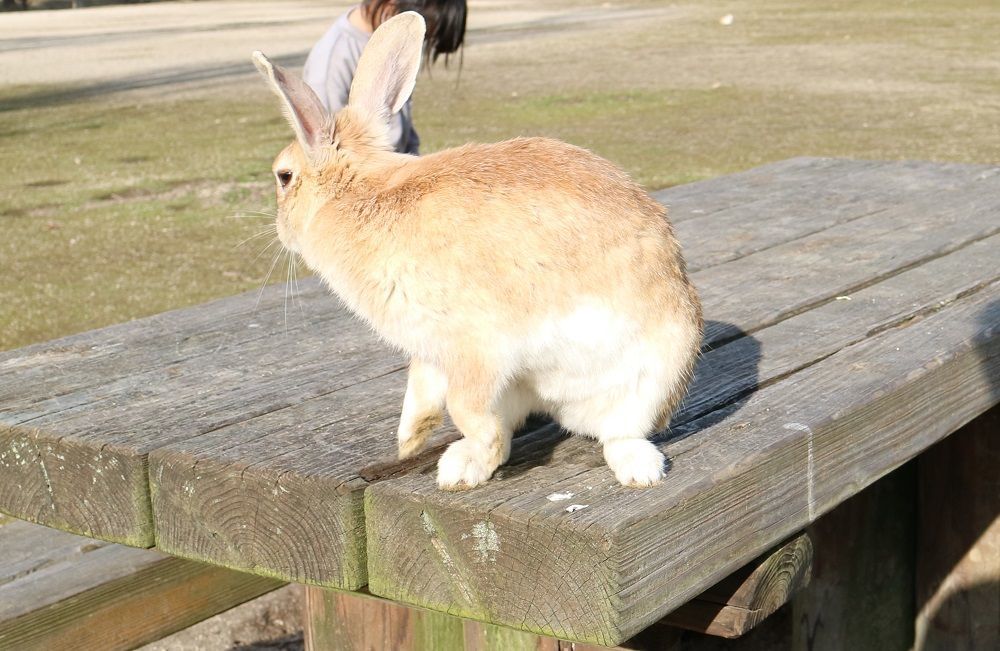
(459, 257)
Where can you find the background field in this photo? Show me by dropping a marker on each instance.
(136, 141)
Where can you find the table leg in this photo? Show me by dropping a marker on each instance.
(346, 621)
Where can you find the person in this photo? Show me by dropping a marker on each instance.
(331, 63)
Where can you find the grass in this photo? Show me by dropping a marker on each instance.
(122, 205)
(122, 210)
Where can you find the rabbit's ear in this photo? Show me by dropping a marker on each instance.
(388, 68)
(302, 108)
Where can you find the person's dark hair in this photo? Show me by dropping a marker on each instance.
(445, 22)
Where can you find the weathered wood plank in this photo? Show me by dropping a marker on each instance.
(294, 512)
(734, 369)
(958, 541)
(765, 187)
(779, 217)
(792, 277)
(228, 476)
(109, 355)
(61, 591)
(694, 200)
(339, 621)
(82, 467)
(508, 554)
(746, 597)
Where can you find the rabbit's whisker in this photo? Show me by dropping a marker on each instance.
(288, 284)
(262, 251)
(274, 263)
(269, 231)
(252, 214)
(297, 293)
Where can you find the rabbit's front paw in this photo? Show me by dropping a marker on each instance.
(464, 464)
(636, 462)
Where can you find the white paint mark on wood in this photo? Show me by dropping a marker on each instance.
(810, 474)
(487, 541)
(573, 508)
(558, 497)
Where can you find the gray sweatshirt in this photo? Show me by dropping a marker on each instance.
(329, 71)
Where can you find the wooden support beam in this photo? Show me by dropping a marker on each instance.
(746, 597)
(61, 591)
(358, 621)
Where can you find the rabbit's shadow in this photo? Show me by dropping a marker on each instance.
(726, 376)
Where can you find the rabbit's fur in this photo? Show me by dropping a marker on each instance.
(523, 276)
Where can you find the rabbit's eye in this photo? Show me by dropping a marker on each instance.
(284, 178)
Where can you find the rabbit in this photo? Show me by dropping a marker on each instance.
(526, 276)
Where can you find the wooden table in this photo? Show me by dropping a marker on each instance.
(852, 321)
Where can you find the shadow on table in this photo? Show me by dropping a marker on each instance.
(724, 379)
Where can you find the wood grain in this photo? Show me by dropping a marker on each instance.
(280, 494)
(770, 285)
(779, 216)
(61, 591)
(694, 200)
(735, 605)
(78, 460)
